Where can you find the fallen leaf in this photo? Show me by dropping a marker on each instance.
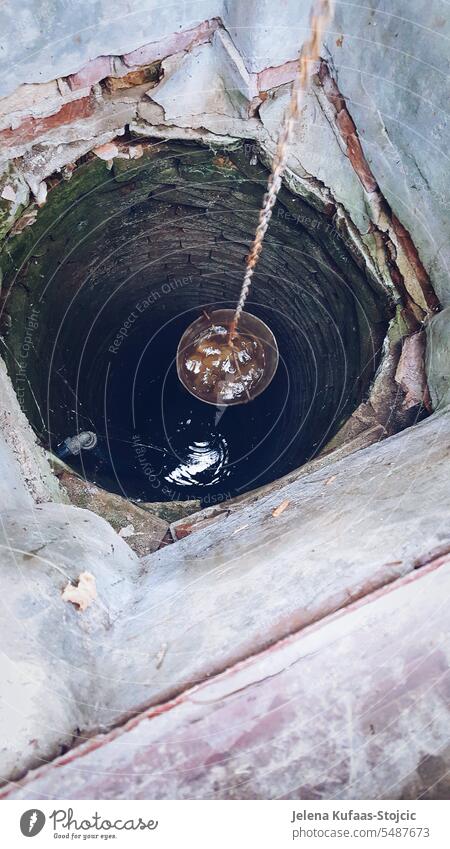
(330, 480)
(281, 508)
(84, 593)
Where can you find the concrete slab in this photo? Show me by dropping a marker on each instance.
(350, 709)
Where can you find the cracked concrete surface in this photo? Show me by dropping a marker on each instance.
(268, 728)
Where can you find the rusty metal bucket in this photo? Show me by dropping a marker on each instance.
(246, 366)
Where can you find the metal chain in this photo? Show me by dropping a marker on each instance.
(320, 18)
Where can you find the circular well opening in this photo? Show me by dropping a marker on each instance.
(119, 262)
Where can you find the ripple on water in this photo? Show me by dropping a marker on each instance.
(200, 463)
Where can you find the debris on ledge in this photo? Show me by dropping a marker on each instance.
(83, 594)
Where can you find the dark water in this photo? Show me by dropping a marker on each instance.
(159, 443)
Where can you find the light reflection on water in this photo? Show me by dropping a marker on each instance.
(200, 462)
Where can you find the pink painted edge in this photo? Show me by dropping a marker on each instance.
(91, 73)
(276, 76)
(175, 43)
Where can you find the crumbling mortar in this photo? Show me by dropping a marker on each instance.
(394, 236)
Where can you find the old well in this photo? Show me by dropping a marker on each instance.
(117, 264)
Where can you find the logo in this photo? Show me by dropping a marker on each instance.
(32, 822)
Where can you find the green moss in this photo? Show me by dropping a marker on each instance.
(398, 327)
